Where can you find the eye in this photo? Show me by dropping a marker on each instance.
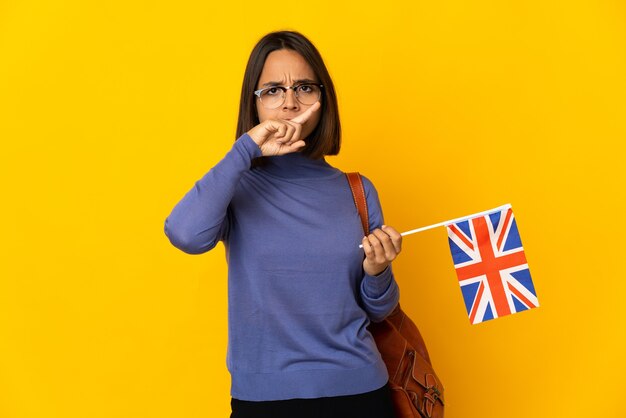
(272, 91)
(305, 88)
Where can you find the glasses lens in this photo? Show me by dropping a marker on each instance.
(272, 97)
(308, 93)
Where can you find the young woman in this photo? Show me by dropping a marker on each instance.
(300, 290)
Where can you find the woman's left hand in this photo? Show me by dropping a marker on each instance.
(381, 247)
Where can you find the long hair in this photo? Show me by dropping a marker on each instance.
(326, 137)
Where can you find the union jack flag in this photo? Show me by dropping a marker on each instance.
(491, 266)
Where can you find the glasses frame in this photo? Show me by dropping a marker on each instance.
(284, 89)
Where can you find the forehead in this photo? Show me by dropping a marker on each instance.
(285, 65)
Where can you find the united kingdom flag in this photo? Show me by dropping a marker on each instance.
(491, 266)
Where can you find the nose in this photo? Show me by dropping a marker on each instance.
(290, 100)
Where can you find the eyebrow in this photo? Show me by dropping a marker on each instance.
(278, 83)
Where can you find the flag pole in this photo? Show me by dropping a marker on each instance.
(453, 221)
(461, 219)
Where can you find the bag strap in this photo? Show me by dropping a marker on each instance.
(358, 193)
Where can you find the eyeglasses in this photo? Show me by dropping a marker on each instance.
(273, 97)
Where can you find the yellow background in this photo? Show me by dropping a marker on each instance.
(110, 111)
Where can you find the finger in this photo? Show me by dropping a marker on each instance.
(396, 237)
(367, 248)
(293, 132)
(389, 249)
(289, 131)
(379, 251)
(307, 114)
(297, 132)
(294, 146)
(279, 129)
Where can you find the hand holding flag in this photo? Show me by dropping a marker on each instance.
(381, 247)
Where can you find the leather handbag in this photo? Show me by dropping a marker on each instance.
(416, 390)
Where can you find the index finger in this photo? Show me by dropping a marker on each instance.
(307, 114)
(396, 237)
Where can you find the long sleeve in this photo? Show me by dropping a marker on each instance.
(296, 318)
(380, 294)
(200, 220)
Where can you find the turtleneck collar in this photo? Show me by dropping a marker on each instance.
(296, 165)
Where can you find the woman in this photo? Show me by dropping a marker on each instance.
(300, 290)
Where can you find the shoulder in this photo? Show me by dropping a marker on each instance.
(374, 209)
(375, 212)
(369, 188)
(367, 183)
(371, 194)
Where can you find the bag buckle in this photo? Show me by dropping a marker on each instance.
(431, 396)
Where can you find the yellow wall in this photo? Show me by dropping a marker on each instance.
(109, 111)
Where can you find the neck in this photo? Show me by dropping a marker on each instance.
(297, 165)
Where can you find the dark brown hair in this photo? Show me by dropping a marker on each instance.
(326, 137)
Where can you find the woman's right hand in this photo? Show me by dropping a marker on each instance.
(281, 136)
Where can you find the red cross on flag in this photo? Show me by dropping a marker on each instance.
(491, 265)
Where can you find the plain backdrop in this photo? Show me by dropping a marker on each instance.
(110, 111)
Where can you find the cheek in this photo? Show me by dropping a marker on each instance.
(265, 114)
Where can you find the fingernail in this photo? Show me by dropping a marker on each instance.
(384, 226)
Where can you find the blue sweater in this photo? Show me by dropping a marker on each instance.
(299, 301)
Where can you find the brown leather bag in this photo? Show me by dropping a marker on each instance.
(416, 390)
